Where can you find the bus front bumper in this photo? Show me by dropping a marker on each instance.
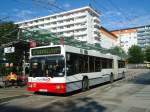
(47, 87)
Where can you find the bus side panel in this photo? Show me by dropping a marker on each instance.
(72, 86)
(74, 82)
(115, 64)
(100, 77)
(99, 80)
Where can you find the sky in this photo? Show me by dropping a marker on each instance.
(114, 14)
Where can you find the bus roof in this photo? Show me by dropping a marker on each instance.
(89, 52)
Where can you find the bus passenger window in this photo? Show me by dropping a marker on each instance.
(97, 65)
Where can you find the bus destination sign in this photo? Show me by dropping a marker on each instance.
(46, 51)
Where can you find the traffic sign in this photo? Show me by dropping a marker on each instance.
(9, 49)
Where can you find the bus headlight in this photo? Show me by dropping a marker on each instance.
(59, 87)
(34, 85)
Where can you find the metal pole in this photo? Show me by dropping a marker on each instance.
(18, 36)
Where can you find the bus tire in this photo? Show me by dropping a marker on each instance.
(85, 84)
(111, 78)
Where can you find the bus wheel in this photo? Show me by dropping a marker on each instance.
(111, 78)
(85, 84)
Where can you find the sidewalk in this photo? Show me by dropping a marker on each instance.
(133, 73)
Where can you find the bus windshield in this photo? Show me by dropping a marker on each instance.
(52, 66)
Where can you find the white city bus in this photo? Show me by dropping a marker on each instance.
(63, 68)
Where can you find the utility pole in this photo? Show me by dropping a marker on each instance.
(18, 35)
(24, 63)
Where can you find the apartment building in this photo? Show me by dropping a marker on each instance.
(126, 38)
(143, 36)
(83, 24)
(133, 36)
(108, 39)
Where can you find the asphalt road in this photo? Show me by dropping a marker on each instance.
(128, 95)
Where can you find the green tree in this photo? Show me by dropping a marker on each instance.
(118, 51)
(136, 55)
(8, 32)
(147, 53)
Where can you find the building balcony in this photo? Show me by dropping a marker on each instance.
(147, 33)
(97, 25)
(96, 19)
(54, 31)
(80, 21)
(65, 17)
(140, 38)
(141, 43)
(65, 23)
(96, 35)
(73, 15)
(141, 30)
(81, 38)
(96, 30)
(80, 27)
(66, 29)
(53, 26)
(31, 25)
(80, 33)
(68, 34)
(80, 14)
(97, 38)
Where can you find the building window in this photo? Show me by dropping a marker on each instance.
(68, 26)
(60, 22)
(97, 38)
(54, 17)
(47, 19)
(61, 27)
(36, 21)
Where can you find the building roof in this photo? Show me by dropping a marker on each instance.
(125, 31)
(131, 28)
(60, 13)
(108, 32)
